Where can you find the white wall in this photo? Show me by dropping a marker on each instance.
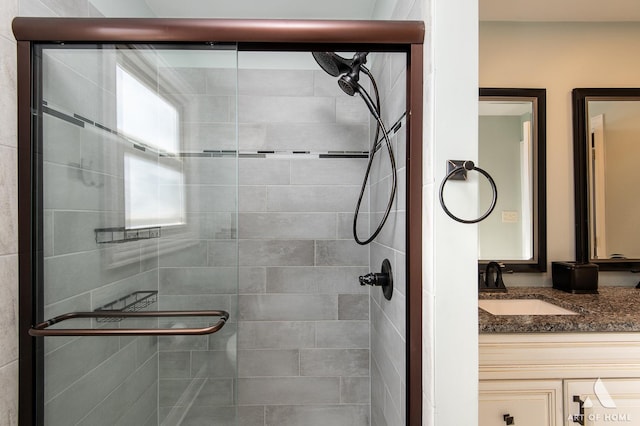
(560, 57)
(450, 264)
(450, 323)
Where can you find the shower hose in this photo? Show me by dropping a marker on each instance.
(374, 108)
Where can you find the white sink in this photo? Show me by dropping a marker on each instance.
(522, 307)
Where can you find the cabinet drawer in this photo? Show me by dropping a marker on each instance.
(599, 402)
(527, 402)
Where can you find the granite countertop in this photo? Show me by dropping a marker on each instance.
(613, 309)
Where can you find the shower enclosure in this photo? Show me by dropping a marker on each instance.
(186, 252)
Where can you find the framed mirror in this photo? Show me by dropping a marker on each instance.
(606, 129)
(512, 148)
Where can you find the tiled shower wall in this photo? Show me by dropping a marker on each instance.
(8, 221)
(90, 380)
(388, 317)
(405, 9)
(197, 266)
(8, 191)
(303, 335)
(255, 279)
(304, 319)
(193, 266)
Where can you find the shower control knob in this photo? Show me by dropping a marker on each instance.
(371, 279)
(365, 279)
(382, 279)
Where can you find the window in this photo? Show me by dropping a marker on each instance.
(144, 116)
(153, 184)
(153, 193)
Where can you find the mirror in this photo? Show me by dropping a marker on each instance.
(605, 127)
(511, 134)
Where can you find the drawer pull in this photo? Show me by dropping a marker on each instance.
(508, 419)
(580, 417)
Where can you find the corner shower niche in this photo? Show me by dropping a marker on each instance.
(205, 177)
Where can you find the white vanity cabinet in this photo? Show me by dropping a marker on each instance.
(520, 402)
(544, 379)
(604, 402)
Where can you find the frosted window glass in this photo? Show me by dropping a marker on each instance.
(154, 194)
(145, 116)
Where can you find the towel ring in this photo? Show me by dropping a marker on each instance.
(468, 166)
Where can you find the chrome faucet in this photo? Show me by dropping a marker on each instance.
(492, 280)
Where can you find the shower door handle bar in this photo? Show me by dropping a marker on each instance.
(42, 329)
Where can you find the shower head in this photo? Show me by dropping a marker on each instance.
(349, 83)
(349, 69)
(332, 63)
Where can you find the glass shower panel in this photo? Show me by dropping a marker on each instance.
(136, 210)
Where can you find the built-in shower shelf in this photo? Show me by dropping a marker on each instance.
(132, 302)
(124, 235)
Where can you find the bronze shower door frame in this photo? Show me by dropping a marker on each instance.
(264, 35)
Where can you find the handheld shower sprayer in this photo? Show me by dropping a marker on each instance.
(348, 71)
(348, 82)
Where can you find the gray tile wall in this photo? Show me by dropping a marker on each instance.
(321, 269)
(8, 221)
(90, 380)
(303, 337)
(388, 328)
(8, 194)
(193, 266)
(197, 266)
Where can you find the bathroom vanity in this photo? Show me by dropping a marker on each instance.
(552, 370)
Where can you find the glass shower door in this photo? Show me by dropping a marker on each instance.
(135, 194)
